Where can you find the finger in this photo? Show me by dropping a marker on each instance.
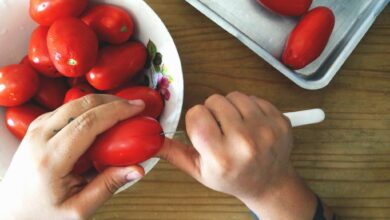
(66, 113)
(181, 156)
(73, 140)
(102, 188)
(245, 105)
(203, 130)
(224, 112)
(266, 107)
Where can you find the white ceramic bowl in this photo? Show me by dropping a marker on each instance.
(16, 27)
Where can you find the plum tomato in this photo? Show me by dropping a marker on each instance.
(72, 46)
(18, 83)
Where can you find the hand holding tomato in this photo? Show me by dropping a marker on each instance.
(242, 147)
(42, 166)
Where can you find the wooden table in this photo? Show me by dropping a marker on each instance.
(346, 159)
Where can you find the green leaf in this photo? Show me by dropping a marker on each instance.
(164, 70)
(158, 59)
(170, 78)
(152, 50)
(124, 28)
(157, 68)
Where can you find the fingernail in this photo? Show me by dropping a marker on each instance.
(133, 175)
(138, 102)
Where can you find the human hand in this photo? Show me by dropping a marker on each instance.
(242, 146)
(39, 183)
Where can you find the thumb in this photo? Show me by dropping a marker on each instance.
(182, 156)
(103, 187)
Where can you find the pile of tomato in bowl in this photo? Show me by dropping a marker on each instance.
(80, 48)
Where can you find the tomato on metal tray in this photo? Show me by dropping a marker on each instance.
(78, 92)
(51, 92)
(287, 7)
(117, 64)
(111, 24)
(18, 83)
(154, 103)
(73, 46)
(127, 143)
(45, 12)
(38, 53)
(309, 38)
(19, 118)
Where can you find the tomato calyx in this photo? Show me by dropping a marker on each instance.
(124, 28)
(72, 62)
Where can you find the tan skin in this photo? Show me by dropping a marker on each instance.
(241, 147)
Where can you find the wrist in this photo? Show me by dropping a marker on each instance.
(288, 198)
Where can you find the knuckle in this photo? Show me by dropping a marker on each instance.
(111, 184)
(213, 99)
(44, 162)
(234, 94)
(224, 167)
(90, 101)
(194, 112)
(86, 121)
(268, 135)
(118, 106)
(249, 149)
(34, 132)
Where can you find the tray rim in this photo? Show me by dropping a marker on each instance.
(290, 74)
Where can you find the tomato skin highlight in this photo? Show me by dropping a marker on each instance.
(51, 92)
(116, 65)
(72, 46)
(18, 83)
(38, 53)
(78, 92)
(45, 12)
(309, 38)
(128, 143)
(287, 7)
(19, 118)
(154, 103)
(111, 24)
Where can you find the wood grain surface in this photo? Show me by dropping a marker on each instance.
(346, 159)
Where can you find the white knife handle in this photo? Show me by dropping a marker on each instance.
(305, 117)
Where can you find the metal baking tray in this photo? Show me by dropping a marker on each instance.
(266, 33)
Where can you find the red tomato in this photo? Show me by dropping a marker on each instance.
(309, 38)
(76, 81)
(39, 55)
(18, 83)
(18, 119)
(25, 60)
(128, 143)
(117, 64)
(82, 165)
(51, 92)
(72, 47)
(45, 12)
(112, 24)
(154, 103)
(287, 7)
(78, 92)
